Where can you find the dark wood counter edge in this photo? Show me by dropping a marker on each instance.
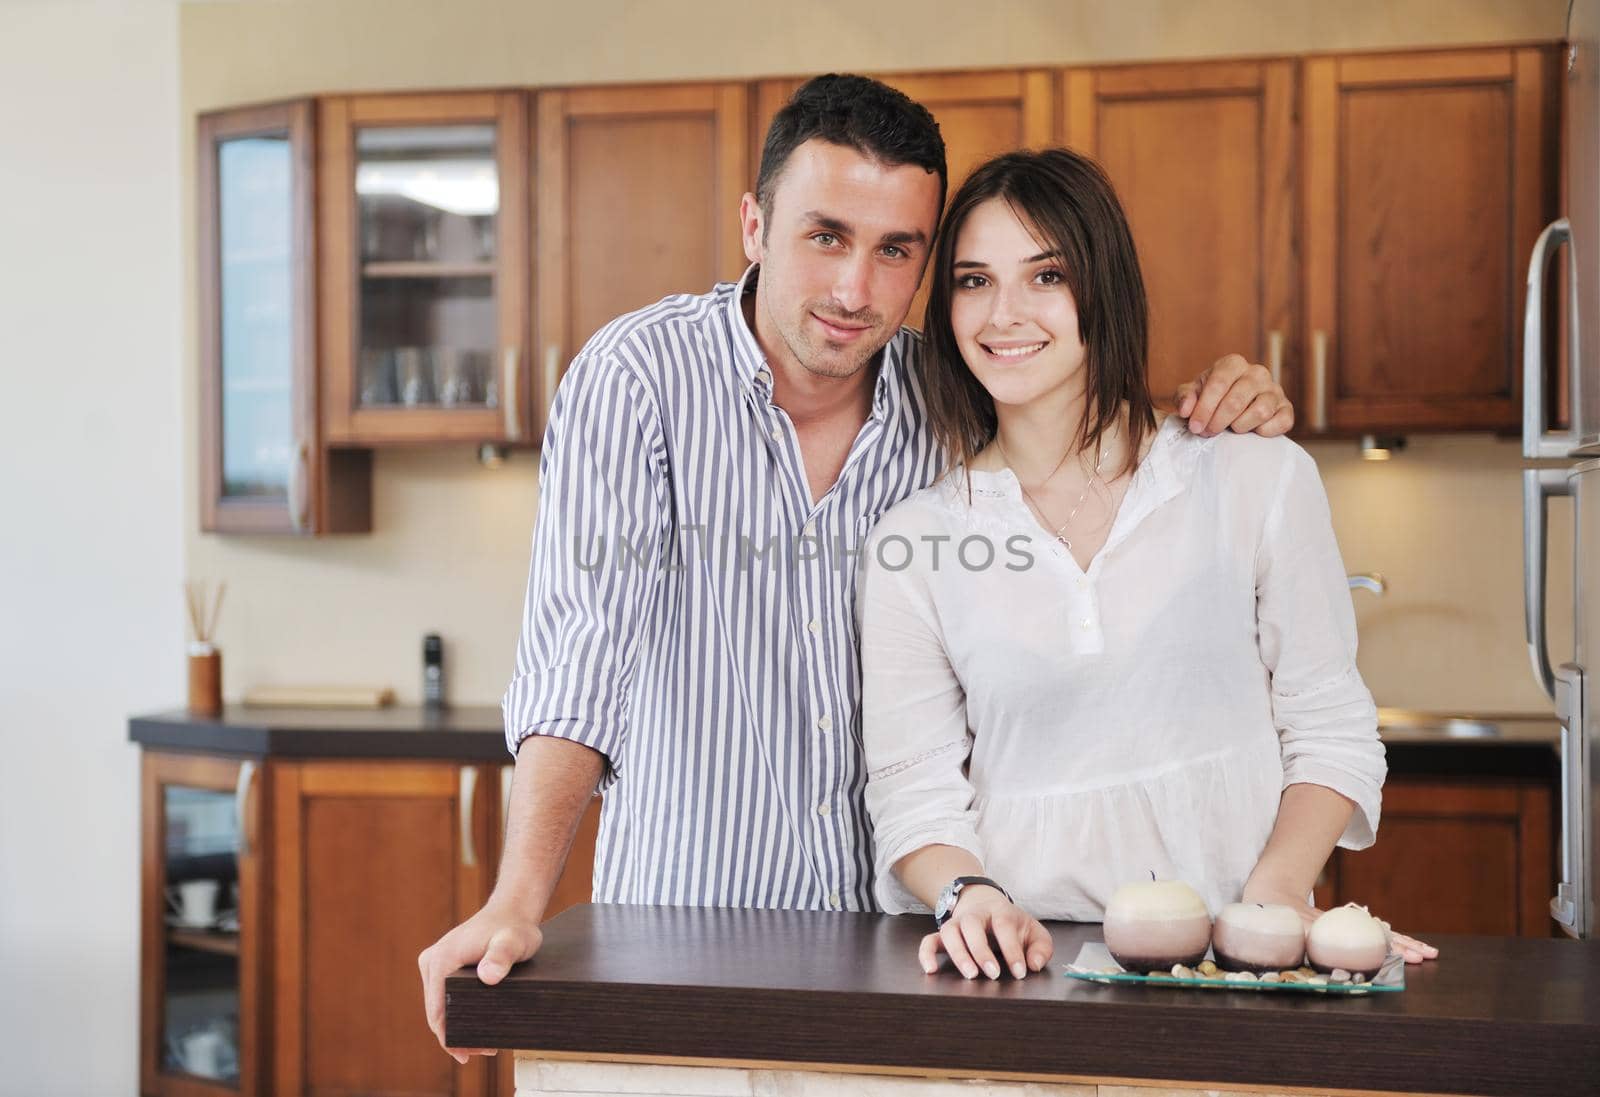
(614, 985)
(464, 735)
(1075, 1040)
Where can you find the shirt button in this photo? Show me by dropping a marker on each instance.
(764, 376)
(777, 432)
(824, 723)
(823, 809)
(813, 626)
(810, 530)
(1088, 623)
(833, 899)
(1082, 582)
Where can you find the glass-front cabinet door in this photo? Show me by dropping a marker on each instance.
(425, 267)
(262, 467)
(202, 933)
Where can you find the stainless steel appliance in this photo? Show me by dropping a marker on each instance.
(1574, 686)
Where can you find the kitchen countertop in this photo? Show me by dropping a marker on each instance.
(1524, 745)
(1493, 1016)
(468, 733)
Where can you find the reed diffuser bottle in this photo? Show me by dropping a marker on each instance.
(205, 661)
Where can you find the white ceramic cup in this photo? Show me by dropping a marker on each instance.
(202, 1052)
(195, 901)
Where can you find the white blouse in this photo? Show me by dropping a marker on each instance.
(1079, 730)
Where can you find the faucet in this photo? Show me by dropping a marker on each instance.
(1369, 581)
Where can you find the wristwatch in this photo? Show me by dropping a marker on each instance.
(946, 905)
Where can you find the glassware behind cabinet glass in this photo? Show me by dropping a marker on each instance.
(428, 201)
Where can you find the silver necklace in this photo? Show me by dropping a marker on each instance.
(1059, 532)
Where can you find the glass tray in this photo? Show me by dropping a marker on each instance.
(1094, 963)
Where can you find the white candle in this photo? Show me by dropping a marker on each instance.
(1259, 937)
(1350, 938)
(1152, 925)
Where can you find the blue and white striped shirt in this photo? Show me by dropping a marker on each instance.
(691, 615)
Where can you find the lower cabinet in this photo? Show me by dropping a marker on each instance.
(284, 905)
(1455, 855)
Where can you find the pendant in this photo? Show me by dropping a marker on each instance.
(1065, 542)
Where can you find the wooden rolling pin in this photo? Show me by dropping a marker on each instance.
(318, 696)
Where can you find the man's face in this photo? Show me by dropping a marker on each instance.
(841, 255)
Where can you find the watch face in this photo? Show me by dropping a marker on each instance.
(947, 900)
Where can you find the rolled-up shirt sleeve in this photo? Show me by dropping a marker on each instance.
(1326, 720)
(598, 540)
(914, 717)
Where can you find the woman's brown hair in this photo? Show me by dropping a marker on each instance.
(1069, 206)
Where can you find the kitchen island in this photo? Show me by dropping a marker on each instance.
(690, 1001)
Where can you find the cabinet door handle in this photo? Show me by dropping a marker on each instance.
(1536, 440)
(299, 497)
(1568, 906)
(552, 374)
(1319, 380)
(468, 793)
(513, 368)
(1538, 485)
(1275, 356)
(241, 802)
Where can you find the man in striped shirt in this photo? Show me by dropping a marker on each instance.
(711, 466)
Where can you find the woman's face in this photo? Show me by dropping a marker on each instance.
(1011, 311)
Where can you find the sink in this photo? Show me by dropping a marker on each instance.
(1429, 724)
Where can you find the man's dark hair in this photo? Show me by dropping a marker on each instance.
(858, 113)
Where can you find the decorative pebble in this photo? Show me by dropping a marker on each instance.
(1339, 975)
(1293, 977)
(1360, 978)
(1318, 980)
(1208, 969)
(1272, 977)
(1160, 975)
(1181, 972)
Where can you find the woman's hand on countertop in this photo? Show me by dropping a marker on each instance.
(496, 937)
(983, 914)
(1413, 950)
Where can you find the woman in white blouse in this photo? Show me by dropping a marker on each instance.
(1100, 646)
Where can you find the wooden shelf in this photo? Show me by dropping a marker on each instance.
(205, 940)
(425, 268)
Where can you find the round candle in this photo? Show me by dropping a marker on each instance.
(1259, 937)
(1152, 925)
(1350, 938)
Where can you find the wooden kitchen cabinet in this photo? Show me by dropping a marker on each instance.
(263, 466)
(423, 209)
(1427, 178)
(980, 115)
(372, 862)
(638, 197)
(202, 1021)
(1203, 157)
(1454, 855)
(328, 877)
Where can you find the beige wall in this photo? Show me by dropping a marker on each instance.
(450, 549)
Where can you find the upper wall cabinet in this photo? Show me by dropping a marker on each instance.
(638, 198)
(1427, 178)
(424, 234)
(980, 114)
(1202, 156)
(263, 466)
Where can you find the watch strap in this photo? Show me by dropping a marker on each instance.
(954, 890)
